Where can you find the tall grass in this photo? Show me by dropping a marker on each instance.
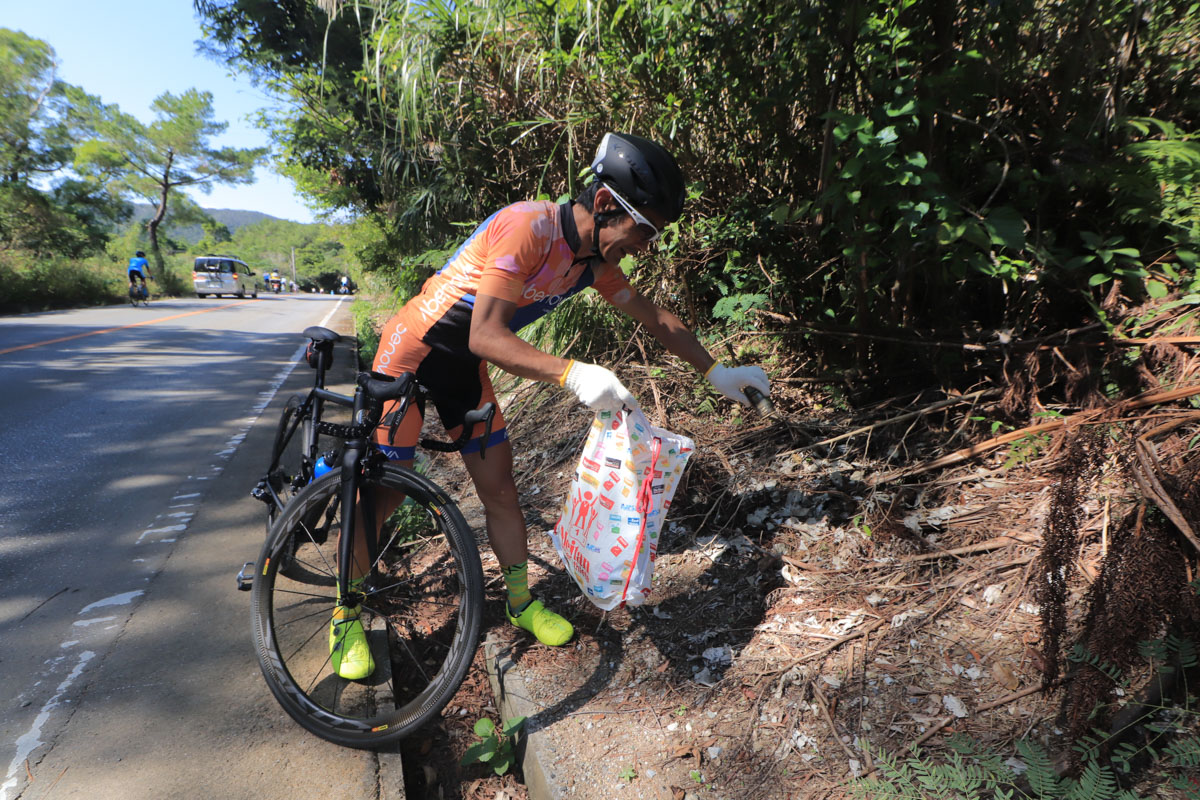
(29, 283)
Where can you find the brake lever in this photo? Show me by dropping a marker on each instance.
(485, 415)
(397, 416)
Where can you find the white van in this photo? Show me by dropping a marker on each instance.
(218, 275)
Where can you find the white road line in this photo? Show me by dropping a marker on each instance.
(29, 741)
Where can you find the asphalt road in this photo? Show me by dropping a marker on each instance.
(128, 443)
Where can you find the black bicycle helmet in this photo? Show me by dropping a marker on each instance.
(642, 172)
(139, 254)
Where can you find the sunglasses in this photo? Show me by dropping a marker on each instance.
(644, 226)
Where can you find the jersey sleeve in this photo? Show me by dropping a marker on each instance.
(518, 242)
(613, 286)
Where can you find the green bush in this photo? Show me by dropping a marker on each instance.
(34, 283)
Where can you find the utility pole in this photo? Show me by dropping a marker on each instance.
(294, 265)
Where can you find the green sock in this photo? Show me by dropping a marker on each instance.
(516, 579)
(355, 587)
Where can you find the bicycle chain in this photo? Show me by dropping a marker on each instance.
(344, 431)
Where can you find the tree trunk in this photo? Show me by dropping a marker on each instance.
(159, 213)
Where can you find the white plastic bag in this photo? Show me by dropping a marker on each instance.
(607, 534)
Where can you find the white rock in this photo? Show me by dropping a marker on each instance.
(954, 706)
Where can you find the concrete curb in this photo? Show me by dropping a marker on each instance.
(512, 699)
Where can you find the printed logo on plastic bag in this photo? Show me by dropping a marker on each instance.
(607, 532)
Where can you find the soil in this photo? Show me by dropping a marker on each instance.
(802, 621)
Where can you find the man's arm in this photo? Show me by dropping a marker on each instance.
(493, 341)
(668, 329)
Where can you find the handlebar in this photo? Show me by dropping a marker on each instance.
(380, 388)
(470, 420)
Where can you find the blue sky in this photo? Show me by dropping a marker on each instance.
(130, 51)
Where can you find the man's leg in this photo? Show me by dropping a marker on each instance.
(497, 490)
(349, 650)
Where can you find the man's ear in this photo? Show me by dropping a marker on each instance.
(603, 200)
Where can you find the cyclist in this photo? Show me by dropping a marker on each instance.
(520, 264)
(139, 269)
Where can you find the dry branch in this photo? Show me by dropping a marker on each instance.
(902, 418)
(1145, 472)
(1143, 401)
(982, 547)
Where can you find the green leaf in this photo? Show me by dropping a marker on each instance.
(1156, 289)
(480, 751)
(947, 233)
(484, 727)
(976, 235)
(1007, 228)
(1099, 278)
(513, 725)
(503, 764)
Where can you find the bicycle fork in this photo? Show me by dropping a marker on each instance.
(356, 499)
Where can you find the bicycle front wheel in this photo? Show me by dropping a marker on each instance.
(422, 612)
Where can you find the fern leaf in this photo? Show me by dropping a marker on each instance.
(1094, 783)
(1184, 752)
(1040, 773)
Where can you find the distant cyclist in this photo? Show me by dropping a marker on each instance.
(139, 270)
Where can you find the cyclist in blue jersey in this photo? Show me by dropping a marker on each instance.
(139, 269)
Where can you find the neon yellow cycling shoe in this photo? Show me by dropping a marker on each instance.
(548, 627)
(349, 650)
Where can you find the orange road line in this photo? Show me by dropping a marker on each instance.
(122, 327)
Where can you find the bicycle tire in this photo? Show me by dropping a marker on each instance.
(422, 612)
(292, 470)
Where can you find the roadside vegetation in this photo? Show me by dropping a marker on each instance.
(947, 229)
(893, 206)
(72, 169)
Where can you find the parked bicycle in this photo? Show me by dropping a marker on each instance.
(420, 603)
(296, 461)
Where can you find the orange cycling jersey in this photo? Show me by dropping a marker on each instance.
(524, 253)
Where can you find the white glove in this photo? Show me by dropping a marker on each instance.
(597, 388)
(731, 381)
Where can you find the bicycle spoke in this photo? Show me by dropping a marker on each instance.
(420, 614)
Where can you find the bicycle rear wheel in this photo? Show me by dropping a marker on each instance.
(422, 611)
(293, 469)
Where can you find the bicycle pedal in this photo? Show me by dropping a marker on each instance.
(245, 577)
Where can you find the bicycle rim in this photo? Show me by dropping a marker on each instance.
(421, 612)
(292, 471)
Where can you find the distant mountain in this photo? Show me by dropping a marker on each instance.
(231, 218)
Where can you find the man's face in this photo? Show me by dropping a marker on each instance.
(624, 235)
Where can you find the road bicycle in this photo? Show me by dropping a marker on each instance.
(139, 293)
(296, 461)
(421, 600)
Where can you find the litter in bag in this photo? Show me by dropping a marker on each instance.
(607, 534)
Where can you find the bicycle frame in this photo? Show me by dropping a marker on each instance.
(313, 406)
(372, 390)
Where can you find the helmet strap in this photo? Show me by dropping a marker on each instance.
(599, 218)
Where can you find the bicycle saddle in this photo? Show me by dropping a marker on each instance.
(319, 334)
